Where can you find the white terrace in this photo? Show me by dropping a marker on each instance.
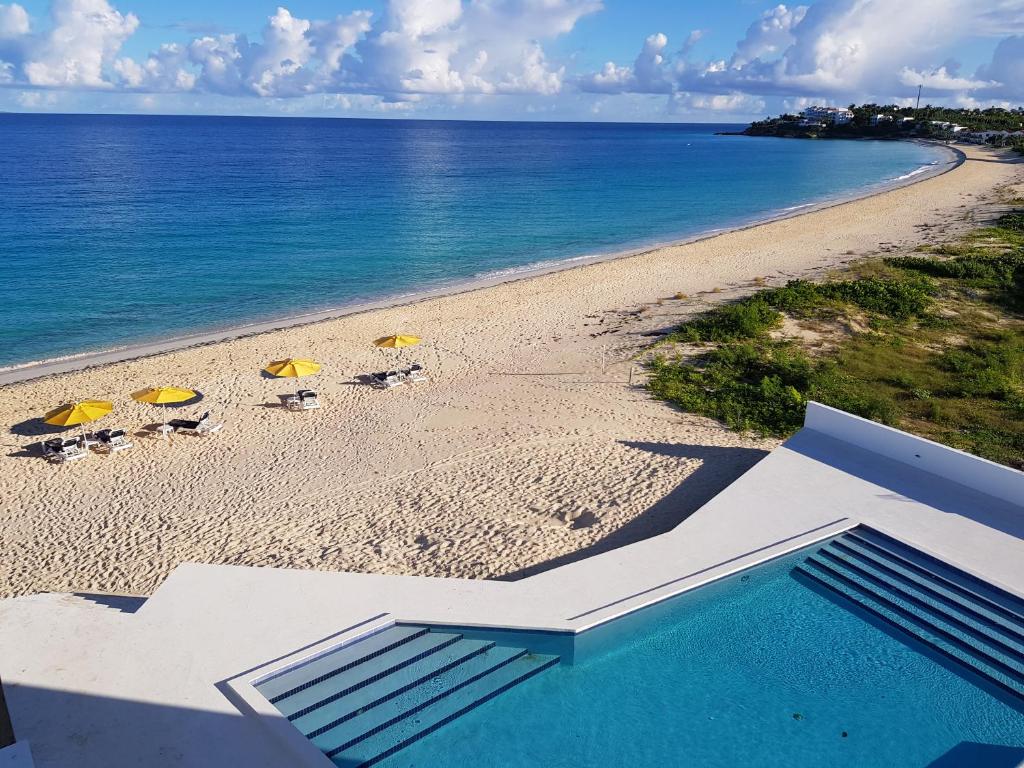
(88, 685)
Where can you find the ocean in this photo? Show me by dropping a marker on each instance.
(118, 230)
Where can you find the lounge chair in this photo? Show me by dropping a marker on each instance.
(51, 447)
(201, 427)
(387, 379)
(62, 451)
(303, 400)
(113, 440)
(415, 373)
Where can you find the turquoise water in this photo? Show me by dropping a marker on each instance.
(123, 229)
(754, 670)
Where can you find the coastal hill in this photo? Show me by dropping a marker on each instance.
(994, 126)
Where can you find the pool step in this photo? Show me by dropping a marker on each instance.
(952, 612)
(373, 697)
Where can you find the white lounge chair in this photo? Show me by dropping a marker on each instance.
(113, 440)
(201, 427)
(303, 400)
(387, 379)
(61, 451)
(415, 373)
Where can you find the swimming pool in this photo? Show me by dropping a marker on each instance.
(770, 667)
(758, 669)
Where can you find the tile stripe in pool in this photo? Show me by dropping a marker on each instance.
(373, 697)
(324, 718)
(371, 670)
(939, 589)
(956, 622)
(337, 662)
(408, 730)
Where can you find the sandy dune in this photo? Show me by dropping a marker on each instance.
(527, 447)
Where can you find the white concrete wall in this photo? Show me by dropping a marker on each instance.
(963, 468)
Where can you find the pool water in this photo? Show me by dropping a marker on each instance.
(759, 669)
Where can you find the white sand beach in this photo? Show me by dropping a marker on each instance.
(529, 445)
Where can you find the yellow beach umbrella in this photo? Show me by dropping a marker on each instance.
(293, 367)
(397, 341)
(78, 413)
(163, 395)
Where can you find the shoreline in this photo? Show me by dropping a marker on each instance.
(24, 372)
(533, 444)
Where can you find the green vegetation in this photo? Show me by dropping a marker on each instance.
(933, 344)
(899, 122)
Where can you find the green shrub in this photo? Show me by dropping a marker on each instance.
(1012, 221)
(971, 397)
(993, 368)
(748, 386)
(745, 319)
(996, 269)
(797, 297)
(896, 298)
(833, 386)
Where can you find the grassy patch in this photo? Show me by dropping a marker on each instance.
(944, 356)
(746, 319)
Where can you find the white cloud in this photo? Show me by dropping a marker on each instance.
(451, 54)
(996, 18)
(219, 59)
(37, 99)
(332, 39)
(692, 39)
(417, 47)
(856, 46)
(13, 21)
(294, 57)
(486, 46)
(942, 79)
(650, 72)
(85, 37)
(723, 103)
(165, 70)
(279, 65)
(1006, 68)
(769, 36)
(842, 50)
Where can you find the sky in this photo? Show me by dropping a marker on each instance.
(610, 60)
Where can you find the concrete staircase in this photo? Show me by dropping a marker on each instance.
(370, 699)
(965, 619)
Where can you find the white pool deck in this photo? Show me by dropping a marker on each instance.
(88, 686)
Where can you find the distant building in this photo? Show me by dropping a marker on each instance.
(947, 128)
(828, 115)
(877, 120)
(989, 137)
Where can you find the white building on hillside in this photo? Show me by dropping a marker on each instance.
(828, 115)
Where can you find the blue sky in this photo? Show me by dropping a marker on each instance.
(730, 60)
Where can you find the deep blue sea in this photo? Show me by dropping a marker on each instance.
(123, 229)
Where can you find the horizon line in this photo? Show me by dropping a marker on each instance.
(380, 118)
